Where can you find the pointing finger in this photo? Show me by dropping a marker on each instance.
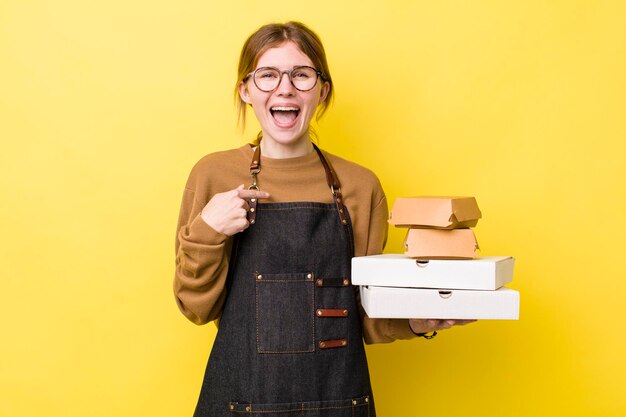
(235, 191)
(248, 194)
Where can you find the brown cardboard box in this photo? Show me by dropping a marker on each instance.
(438, 212)
(441, 244)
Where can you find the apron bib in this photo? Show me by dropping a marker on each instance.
(289, 341)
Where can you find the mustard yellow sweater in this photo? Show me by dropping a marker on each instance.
(202, 254)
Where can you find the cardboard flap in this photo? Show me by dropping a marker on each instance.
(464, 209)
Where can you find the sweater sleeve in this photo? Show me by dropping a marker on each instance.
(202, 257)
(381, 330)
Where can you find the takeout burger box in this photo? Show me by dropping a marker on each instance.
(438, 212)
(415, 303)
(396, 270)
(441, 244)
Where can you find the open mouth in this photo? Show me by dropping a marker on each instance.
(285, 116)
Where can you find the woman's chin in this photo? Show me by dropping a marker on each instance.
(286, 137)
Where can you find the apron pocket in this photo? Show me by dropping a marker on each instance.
(284, 313)
(352, 407)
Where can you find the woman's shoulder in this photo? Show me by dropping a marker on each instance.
(221, 164)
(357, 180)
(352, 171)
(220, 159)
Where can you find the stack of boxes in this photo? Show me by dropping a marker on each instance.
(440, 275)
(439, 227)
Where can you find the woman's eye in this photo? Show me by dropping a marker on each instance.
(266, 74)
(301, 75)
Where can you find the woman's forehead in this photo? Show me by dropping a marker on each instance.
(286, 55)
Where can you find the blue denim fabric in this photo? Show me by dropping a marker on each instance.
(266, 358)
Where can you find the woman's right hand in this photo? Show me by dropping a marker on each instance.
(430, 325)
(227, 212)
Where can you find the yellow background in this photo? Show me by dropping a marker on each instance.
(106, 105)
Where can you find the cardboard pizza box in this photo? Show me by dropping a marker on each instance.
(405, 303)
(396, 270)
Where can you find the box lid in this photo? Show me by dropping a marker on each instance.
(439, 212)
(397, 270)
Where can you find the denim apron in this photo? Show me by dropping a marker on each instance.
(289, 341)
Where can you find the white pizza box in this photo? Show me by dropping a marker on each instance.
(396, 270)
(418, 303)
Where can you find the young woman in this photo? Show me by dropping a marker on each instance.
(265, 237)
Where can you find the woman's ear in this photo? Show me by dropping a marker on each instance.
(324, 92)
(244, 93)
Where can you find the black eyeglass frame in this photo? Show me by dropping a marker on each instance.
(288, 72)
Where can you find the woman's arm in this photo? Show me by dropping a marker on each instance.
(381, 330)
(202, 258)
(203, 249)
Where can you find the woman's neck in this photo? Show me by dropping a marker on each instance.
(276, 150)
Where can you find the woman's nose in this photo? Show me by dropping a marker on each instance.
(285, 86)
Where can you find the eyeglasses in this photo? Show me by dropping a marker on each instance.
(268, 79)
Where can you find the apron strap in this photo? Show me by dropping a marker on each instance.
(255, 168)
(331, 179)
(333, 183)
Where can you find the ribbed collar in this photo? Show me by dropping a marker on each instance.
(301, 162)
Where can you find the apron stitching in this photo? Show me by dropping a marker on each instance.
(302, 409)
(256, 296)
(313, 330)
(302, 207)
(258, 339)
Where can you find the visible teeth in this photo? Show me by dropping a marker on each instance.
(285, 109)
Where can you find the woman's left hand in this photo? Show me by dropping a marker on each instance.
(430, 325)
